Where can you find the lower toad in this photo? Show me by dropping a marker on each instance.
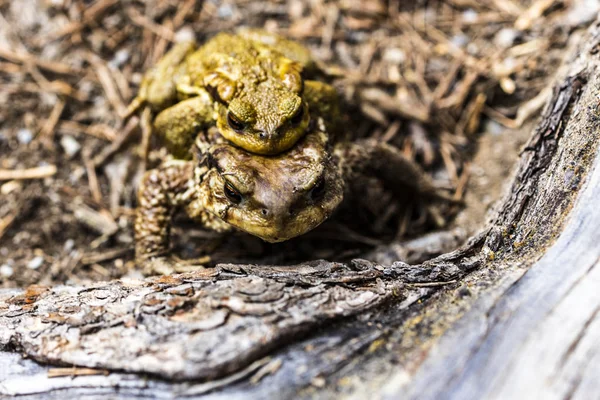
(275, 198)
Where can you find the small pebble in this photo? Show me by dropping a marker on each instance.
(296, 9)
(86, 87)
(70, 145)
(460, 40)
(124, 238)
(505, 37)
(493, 127)
(185, 34)
(119, 59)
(430, 14)
(35, 262)
(69, 244)
(470, 15)
(24, 136)
(318, 382)
(394, 56)
(225, 11)
(6, 271)
(472, 49)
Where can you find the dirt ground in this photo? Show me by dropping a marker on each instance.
(432, 78)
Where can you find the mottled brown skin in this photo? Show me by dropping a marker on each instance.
(275, 198)
(249, 85)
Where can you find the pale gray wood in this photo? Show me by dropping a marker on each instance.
(536, 334)
(536, 337)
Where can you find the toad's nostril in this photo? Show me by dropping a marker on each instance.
(264, 211)
(268, 133)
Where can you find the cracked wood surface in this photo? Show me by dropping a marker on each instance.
(253, 332)
(201, 325)
(194, 326)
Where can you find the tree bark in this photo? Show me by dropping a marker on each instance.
(514, 311)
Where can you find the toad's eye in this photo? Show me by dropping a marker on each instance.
(317, 192)
(235, 123)
(298, 116)
(232, 193)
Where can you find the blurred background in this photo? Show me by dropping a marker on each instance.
(442, 80)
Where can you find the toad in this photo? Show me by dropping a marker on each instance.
(250, 85)
(275, 198)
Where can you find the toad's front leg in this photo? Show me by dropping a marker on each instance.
(161, 192)
(159, 86)
(180, 125)
(387, 163)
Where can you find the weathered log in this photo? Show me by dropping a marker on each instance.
(515, 311)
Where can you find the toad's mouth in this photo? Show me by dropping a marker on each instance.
(282, 230)
(277, 236)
